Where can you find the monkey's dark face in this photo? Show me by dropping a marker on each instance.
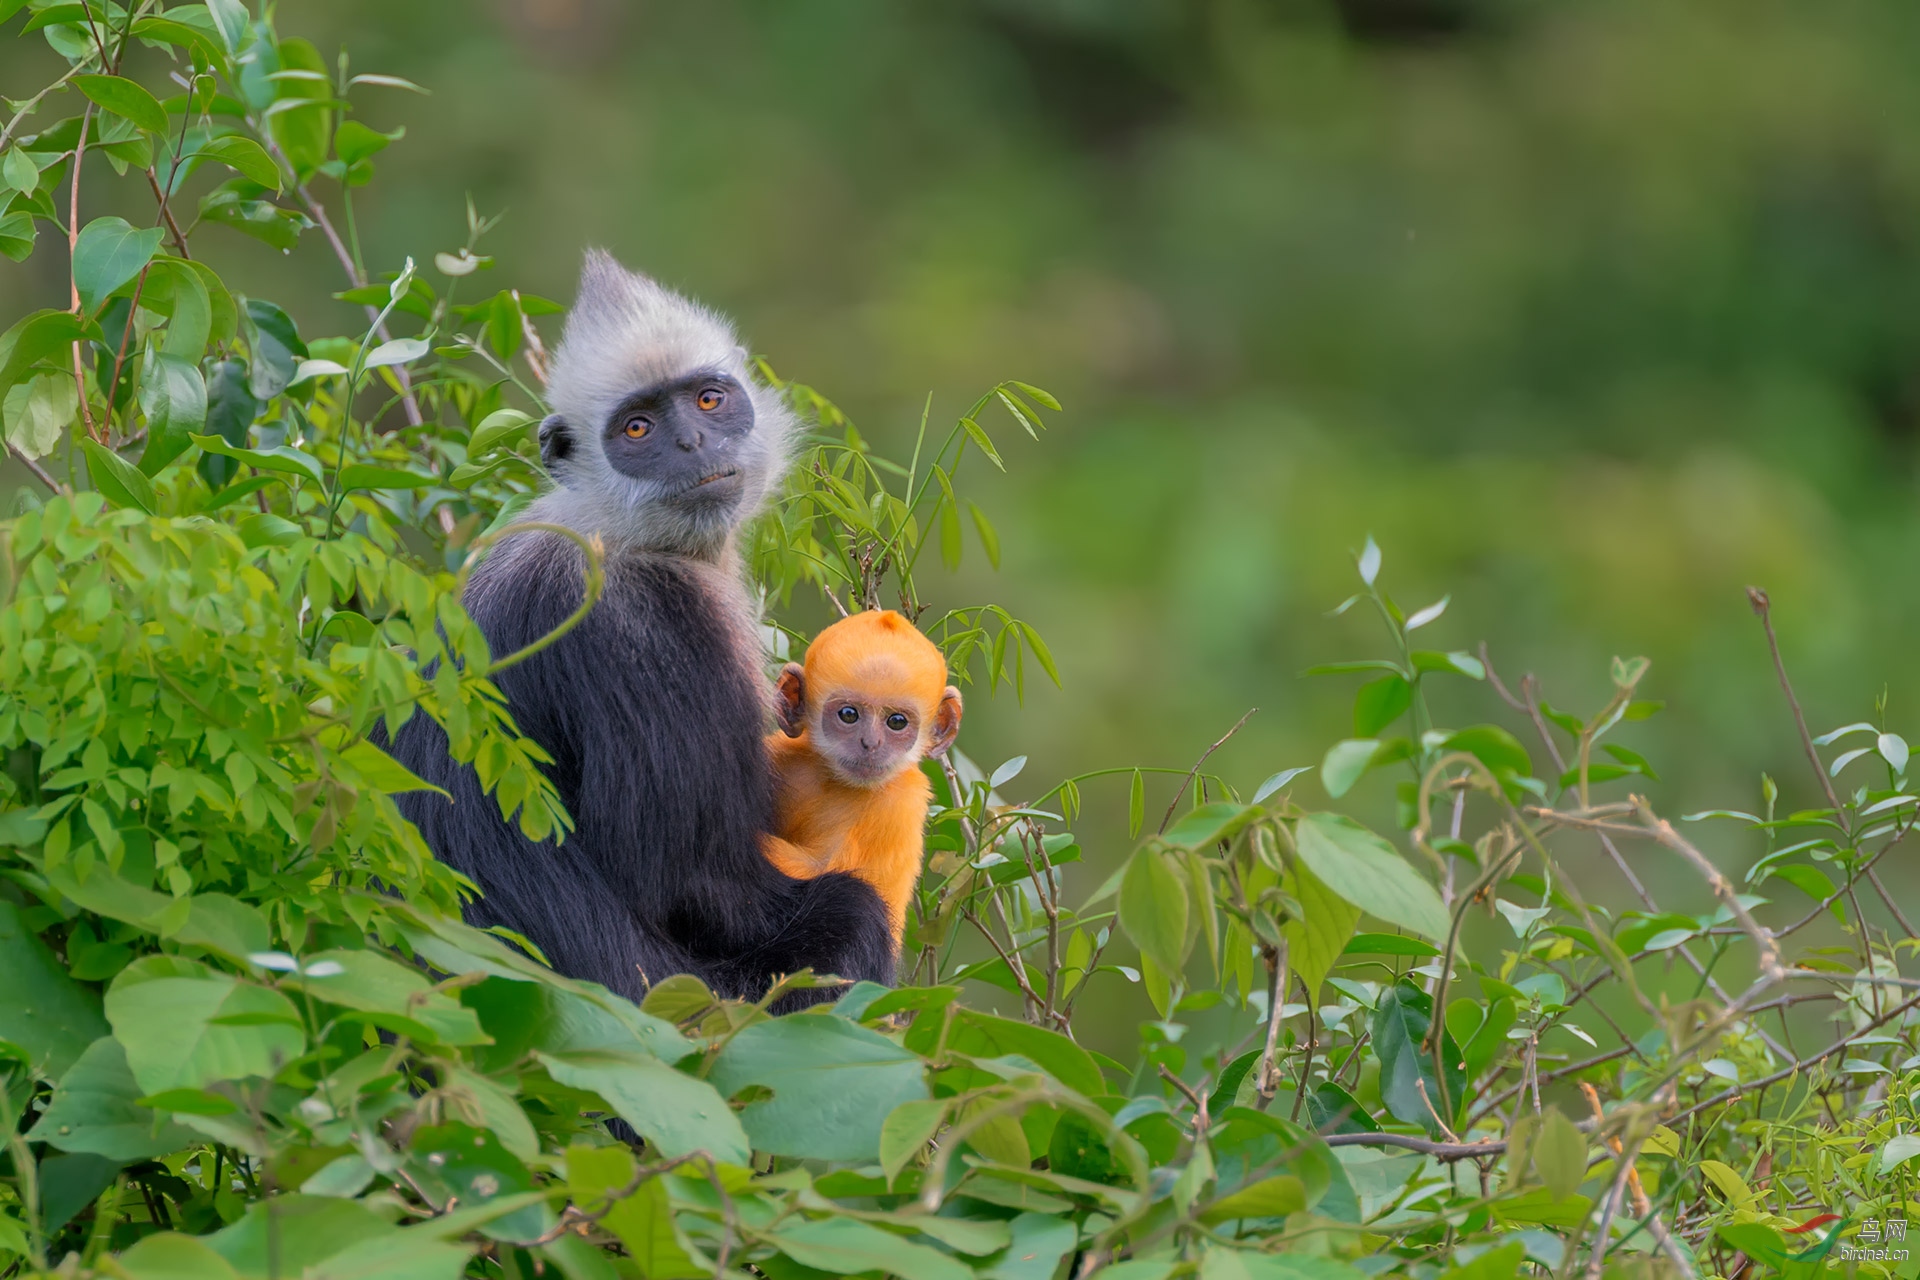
(683, 439)
(866, 738)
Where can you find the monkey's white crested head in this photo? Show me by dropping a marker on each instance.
(661, 437)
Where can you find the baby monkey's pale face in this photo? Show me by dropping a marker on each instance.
(867, 737)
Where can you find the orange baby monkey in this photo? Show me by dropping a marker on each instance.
(871, 702)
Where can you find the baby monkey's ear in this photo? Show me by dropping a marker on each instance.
(946, 722)
(791, 707)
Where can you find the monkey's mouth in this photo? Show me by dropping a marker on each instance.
(715, 482)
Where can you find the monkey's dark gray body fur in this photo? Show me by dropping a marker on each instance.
(654, 707)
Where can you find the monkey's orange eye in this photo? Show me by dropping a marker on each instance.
(712, 398)
(849, 715)
(896, 722)
(637, 427)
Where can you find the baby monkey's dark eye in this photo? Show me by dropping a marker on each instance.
(637, 427)
(849, 715)
(896, 722)
(712, 398)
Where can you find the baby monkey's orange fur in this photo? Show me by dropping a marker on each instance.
(871, 702)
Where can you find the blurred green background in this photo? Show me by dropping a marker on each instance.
(1592, 313)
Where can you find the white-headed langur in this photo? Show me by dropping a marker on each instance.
(653, 708)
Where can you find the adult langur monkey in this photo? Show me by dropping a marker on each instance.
(654, 706)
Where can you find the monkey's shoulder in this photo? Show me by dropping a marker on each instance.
(536, 580)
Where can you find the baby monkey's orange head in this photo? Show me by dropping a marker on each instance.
(872, 699)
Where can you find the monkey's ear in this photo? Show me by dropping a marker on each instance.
(946, 722)
(556, 440)
(791, 710)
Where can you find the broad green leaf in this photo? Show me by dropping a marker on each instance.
(301, 121)
(369, 981)
(474, 1170)
(846, 1247)
(125, 98)
(497, 428)
(1153, 909)
(381, 770)
(245, 157)
(36, 336)
(108, 254)
(362, 476)
(1499, 1263)
(524, 1016)
(174, 398)
(96, 1109)
(984, 1035)
(674, 1112)
(398, 351)
(119, 480)
(1345, 762)
(168, 1018)
(284, 459)
(834, 1083)
(908, 1128)
(1218, 820)
(17, 234)
(1378, 704)
(1560, 1155)
(52, 1018)
(1274, 1197)
(1318, 938)
(169, 1255)
(1362, 868)
(1400, 1024)
(231, 410)
(39, 411)
(301, 1235)
(643, 1219)
(276, 349)
(1492, 746)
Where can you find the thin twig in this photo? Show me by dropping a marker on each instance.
(1194, 772)
(39, 471)
(1763, 610)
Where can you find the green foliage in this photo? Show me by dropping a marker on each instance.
(243, 1032)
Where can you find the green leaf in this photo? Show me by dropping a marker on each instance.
(1559, 1154)
(1153, 909)
(1400, 1024)
(1270, 1198)
(124, 98)
(169, 1255)
(237, 204)
(950, 536)
(1388, 944)
(1364, 869)
(354, 142)
(985, 1035)
(1492, 746)
(642, 1220)
(834, 1084)
(979, 437)
(17, 234)
(108, 254)
(43, 1011)
(381, 770)
(369, 981)
(989, 540)
(674, 1112)
(1136, 804)
(165, 1012)
(1490, 1037)
(497, 428)
(361, 476)
(1318, 937)
(1378, 704)
(283, 459)
(908, 1128)
(1218, 820)
(36, 336)
(96, 1109)
(1344, 764)
(231, 410)
(174, 398)
(847, 1247)
(39, 410)
(19, 171)
(474, 1169)
(303, 131)
(116, 478)
(244, 156)
(276, 349)
(398, 351)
